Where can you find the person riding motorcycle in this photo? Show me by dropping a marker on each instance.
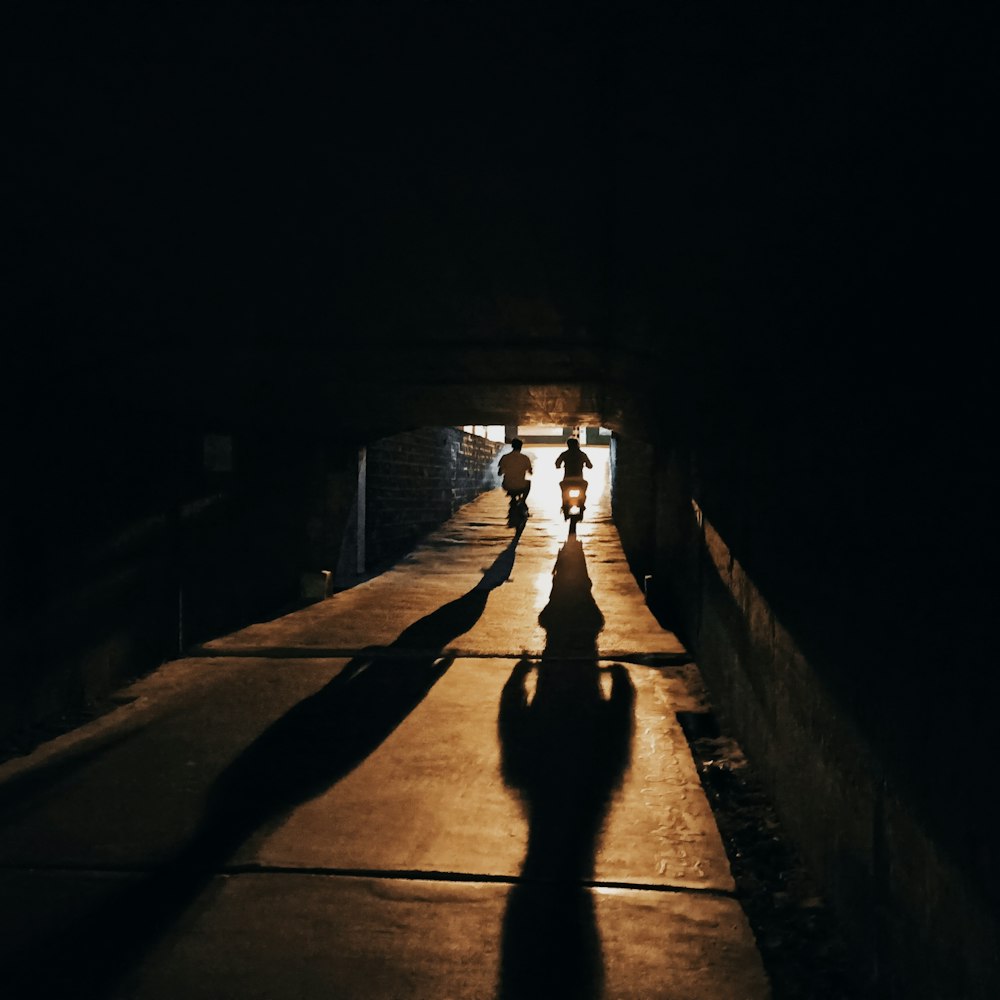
(515, 467)
(573, 461)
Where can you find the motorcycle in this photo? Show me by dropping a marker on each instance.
(574, 500)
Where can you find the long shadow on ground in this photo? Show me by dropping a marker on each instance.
(310, 748)
(565, 746)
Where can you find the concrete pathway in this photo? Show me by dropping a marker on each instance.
(462, 778)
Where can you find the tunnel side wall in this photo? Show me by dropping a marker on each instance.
(139, 537)
(914, 906)
(416, 480)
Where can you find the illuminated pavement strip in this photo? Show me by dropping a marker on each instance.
(397, 867)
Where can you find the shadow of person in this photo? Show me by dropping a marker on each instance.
(304, 752)
(565, 745)
(517, 516)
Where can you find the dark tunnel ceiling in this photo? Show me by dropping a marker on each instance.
(433, 212)
(364, 392)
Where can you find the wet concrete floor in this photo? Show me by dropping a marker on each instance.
(461, 778)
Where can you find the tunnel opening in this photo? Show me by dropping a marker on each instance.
(409, 483)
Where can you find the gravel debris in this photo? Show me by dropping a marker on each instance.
(800, 942)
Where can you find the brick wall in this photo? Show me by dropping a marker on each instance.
(417, 480)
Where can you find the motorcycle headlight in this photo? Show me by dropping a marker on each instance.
(574, 493)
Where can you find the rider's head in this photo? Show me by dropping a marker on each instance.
(516, 444)
(572, 444)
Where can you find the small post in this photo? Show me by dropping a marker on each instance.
(180, 619)
(362, 480)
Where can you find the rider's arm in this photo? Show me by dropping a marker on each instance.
(587, 462)
(559, 460)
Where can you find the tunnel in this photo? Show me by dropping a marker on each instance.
(273, 262)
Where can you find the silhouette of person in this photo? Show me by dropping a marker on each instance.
(515, 467)
(573, 459)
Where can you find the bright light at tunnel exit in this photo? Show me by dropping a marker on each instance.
(545, 498)
(492, 432)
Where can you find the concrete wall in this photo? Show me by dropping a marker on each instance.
(884, 832)
(131, 543)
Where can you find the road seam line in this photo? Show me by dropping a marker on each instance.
(403, 874)
(387, 652)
